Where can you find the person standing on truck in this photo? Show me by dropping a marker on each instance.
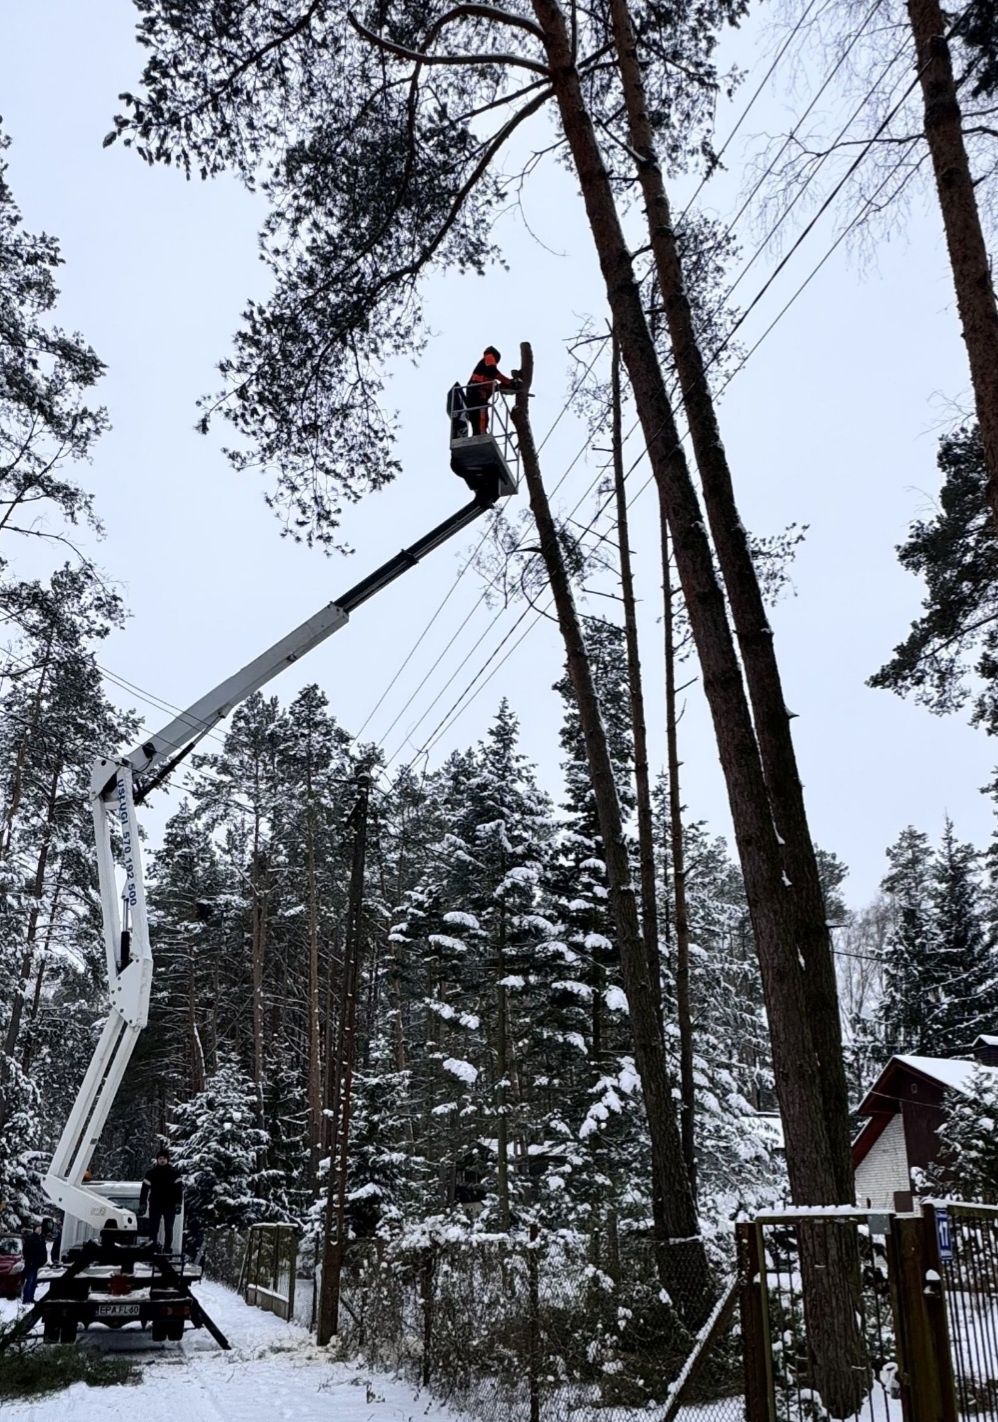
(35, 1257)
(162, 1189)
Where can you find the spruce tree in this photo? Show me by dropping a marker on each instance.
(965, 970)
(609, 1189)
(967, 1166)
(472, 934)
(910, 982)
(217, 1146)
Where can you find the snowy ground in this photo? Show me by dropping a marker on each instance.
(274, 1372)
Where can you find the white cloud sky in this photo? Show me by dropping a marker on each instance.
(833, 423)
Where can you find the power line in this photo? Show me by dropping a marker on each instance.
(793, 132)
(482, 595)
(760, 247)
(858, 217)
(712, 169)
(601, 344)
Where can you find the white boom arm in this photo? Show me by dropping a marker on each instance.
(126, 944)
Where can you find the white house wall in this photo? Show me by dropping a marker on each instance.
(884, 1170)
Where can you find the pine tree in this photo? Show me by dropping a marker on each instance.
(951, 652)
(55, 720)
(45, 374)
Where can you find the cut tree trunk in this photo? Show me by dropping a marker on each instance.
(682, 1258)
(968, 253)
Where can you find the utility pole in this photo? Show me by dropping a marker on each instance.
(334, 1233)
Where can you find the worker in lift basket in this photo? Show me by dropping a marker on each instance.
(162, 1188)
(482, 386)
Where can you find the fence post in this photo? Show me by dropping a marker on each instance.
(926, 1366)
(750, 1297)
(534, 1340)
(292, 1272)
(934, 1294)
(426, 1298)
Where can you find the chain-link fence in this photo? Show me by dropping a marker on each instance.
(535, 1329)
(222, 1255)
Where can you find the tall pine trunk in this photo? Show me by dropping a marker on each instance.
(682, 1259)
(677, 858)
(314, 1037)
(817, 1147)
(642, 784)
(968, 253)
(809, 1152)
(31, 932)
(755, 638)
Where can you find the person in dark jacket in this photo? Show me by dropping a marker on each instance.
(161, 1190)
(35, 1258)
(482, 386)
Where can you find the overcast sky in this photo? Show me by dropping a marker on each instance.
(833, 423)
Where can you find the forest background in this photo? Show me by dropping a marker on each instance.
(460, 997)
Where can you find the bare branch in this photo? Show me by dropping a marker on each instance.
(415, 56)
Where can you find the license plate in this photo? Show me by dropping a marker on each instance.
(118, 1310)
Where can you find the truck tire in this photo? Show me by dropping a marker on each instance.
(67, 1330)
(51, 1330)
(175, 1330)
(159, 1327)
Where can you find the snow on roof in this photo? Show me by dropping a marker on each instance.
(987, 1039)
(953, 1073)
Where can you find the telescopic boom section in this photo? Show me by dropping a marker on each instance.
(116, 786)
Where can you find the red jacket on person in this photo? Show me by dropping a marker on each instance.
(482, 386)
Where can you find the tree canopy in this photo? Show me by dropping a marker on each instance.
(378, 166)
(950, 655)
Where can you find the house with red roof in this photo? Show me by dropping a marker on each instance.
(904, 1109)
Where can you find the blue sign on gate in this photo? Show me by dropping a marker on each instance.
(944, 1236)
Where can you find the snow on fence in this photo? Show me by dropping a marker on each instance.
(548, 1328)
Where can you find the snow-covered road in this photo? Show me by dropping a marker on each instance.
(274, 1372)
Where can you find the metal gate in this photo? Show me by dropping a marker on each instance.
(966, 1237)
(270, 1267)
(817, 1318)
(879, 1317)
